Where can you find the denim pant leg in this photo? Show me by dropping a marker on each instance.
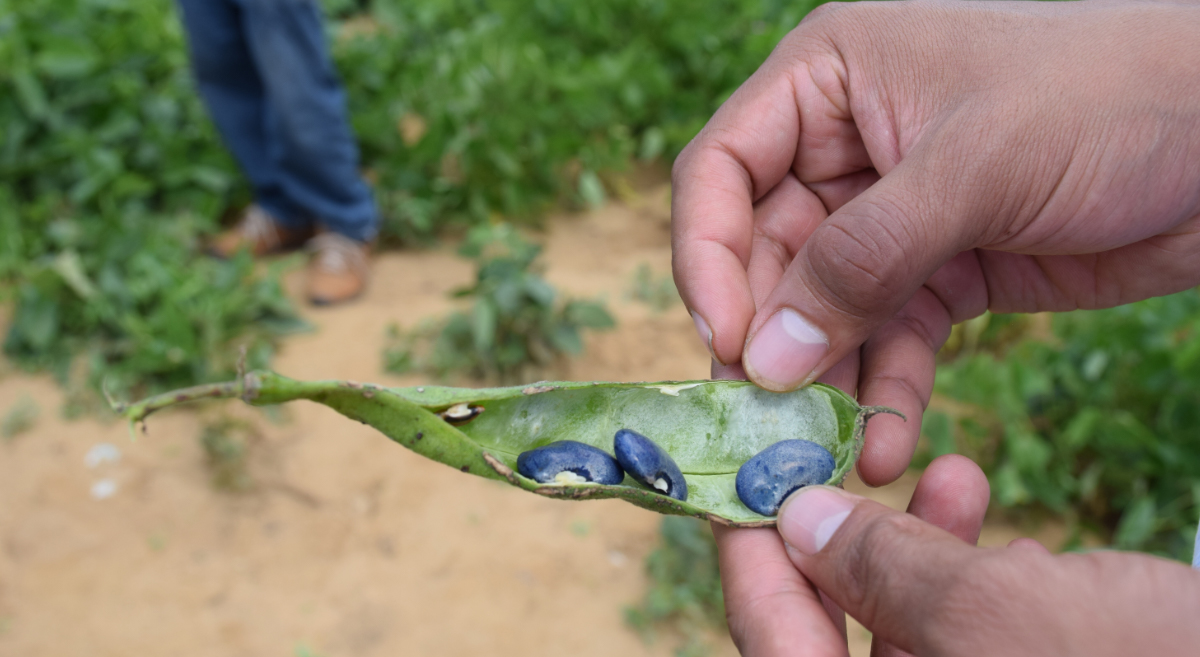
(310, 137)
(228, 80)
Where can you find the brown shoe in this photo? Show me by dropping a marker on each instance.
(337, 270)
(260, 233)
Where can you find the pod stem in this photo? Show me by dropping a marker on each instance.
(868, 412)
(245, 388)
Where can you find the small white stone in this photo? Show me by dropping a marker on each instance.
(661, 484)
(102, 453)
(104, 489)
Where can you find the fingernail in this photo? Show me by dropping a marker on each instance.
(810, 517)
(785, 350)
(705, 334)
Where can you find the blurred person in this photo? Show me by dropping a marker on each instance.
(263, 70)
(895, 168)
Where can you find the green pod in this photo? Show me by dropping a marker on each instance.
(710, 428)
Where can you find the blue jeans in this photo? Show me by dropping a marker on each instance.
(263, 69)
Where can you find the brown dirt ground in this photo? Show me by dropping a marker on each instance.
(347, 545)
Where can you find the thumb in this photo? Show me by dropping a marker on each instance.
(886, 569)
(858, 269)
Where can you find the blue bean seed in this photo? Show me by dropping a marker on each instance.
(569, 462)
(765, 481)
(649, 464)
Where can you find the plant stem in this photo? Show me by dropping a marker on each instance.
(139, 411)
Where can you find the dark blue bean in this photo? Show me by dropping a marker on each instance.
(765, 481)
(569, 462)
(649, 464)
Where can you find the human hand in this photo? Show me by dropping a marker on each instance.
(897, 167)
(771, 607)
(917, 583)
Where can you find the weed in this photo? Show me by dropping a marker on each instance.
(684, 593)
(464, 110)
(302, 650)
(1096, 423)
(227, 444)
(20, 418)
(658, 292)
(516, 324)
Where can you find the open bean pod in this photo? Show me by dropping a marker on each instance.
(709, 428)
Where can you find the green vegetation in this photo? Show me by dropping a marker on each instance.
(112, 175)
(227, 443)
(464, 108)
(467, 108)
(19, 418)
(684, 594)
(1097, 424)
(516, 325)
(656, 291)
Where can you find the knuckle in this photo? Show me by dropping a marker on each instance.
(682, 162)
(873, 562)
(979, 589)
(862, 263)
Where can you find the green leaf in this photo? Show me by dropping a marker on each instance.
(653, 143)
(30, 93)
(483, 325)
(591, 189)
(589, 314)
(70, 267)
(66, 60)
(936, 426)
(540, 291)
(566, 339)
(1137, 524)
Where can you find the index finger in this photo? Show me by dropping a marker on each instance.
(792, 115)
(772, 609)
(743, 152)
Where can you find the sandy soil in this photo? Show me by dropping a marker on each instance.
(348, 545)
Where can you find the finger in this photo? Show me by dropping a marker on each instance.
(886, 569)
(1031, 544)
(843, 375)
(952, 494)
(732, 372)
(772, 610)
(753, 141)
(836, 192)
(898, 369)
(783, 220)
(961, 287)
(857, 270)
(715, 182)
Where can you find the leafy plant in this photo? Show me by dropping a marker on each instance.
(1099, 425)
(139, 308)
(684, 591)
(469, 108)
(464, 108)
(112, 175)
(20, 418)
(516, 322)
(227, 444)
(658, 292)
